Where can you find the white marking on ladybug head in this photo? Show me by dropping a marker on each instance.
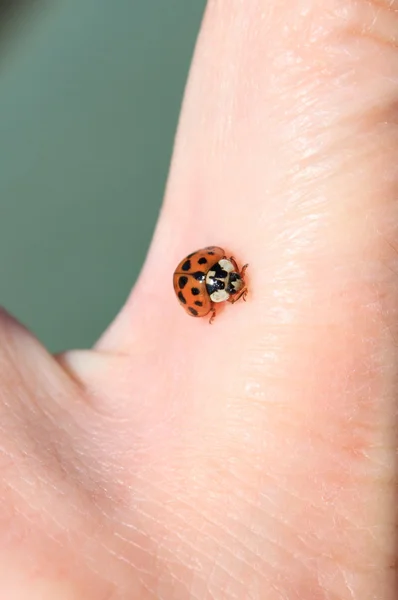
(219, 296)
(226, 265)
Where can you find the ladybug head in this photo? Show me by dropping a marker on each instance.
(235, 283)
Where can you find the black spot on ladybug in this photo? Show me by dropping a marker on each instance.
(182, 281)
(193, 311)
(186, 266)
(210, 252)
(181, 297)
(198, 303)
(199, 275)
(195, 291)
(202, 260)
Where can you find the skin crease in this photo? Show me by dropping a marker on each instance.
(253, 459)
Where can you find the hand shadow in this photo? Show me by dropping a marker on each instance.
(10, 10)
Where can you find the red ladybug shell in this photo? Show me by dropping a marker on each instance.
(189, 280)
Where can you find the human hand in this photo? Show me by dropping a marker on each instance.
(254, 458)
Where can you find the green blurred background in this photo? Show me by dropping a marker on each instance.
(90, 92)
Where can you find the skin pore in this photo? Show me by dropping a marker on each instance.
(256, 458)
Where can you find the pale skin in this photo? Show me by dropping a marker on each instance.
(253, 459)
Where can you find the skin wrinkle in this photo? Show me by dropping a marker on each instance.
(120, 558)
(120, 566)
(189, 524)
(95, 567)
(308, 543)
(45, 480)
(226, 548)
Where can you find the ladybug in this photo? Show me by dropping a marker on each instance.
(207, 277)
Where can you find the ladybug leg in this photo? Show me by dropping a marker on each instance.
(245, 290)
(242, 294)
(243, 271)
(233, 261)
(213, 316)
